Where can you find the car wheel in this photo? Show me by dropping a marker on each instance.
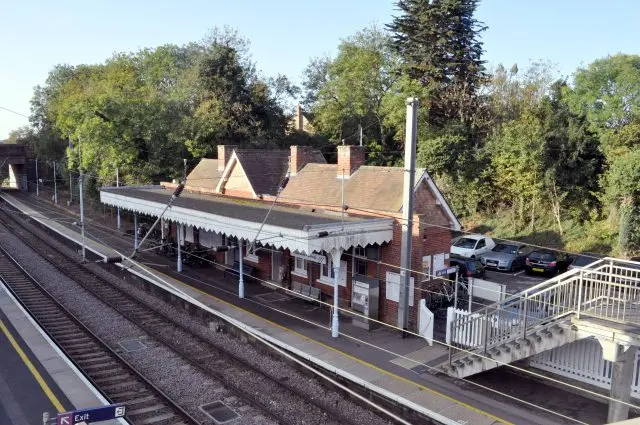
(527, 272)
(473, 257)
(512, 268)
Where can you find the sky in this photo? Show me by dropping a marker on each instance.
(35, 35)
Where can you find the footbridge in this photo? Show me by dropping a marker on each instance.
(600, 301)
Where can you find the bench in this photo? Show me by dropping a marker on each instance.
(235, 270)
(306, 290)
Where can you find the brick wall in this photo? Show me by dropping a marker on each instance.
(224, 153)
(300, 156)
(263, 267)
(350, 158)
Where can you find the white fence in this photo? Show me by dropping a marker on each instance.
(467, 334)
(582, 360)
(425, 322)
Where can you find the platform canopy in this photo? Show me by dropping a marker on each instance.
(291, 228)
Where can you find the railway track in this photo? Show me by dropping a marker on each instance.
(223, 365)
(116, 379)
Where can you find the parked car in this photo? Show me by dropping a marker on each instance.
(472, 246)
(584, 259)
(547, 262)
(467, 267)
(506, 256)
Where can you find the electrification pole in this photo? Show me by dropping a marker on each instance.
(37, 180)
(118, 185)
(407, 212)
(80, 183)
(55, 185)
(240, 271)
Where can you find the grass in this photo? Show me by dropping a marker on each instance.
(595, 236)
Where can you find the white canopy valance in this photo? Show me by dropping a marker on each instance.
(306, 240)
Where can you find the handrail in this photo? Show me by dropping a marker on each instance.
(596, 288)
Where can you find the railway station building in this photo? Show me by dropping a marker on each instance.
(305, 225)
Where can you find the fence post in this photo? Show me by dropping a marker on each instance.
(526, 314)
(580, 283)
(485, 330)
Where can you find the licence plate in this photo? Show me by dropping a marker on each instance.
(537, 270)
(492, 263)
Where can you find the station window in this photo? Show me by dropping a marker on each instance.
(327, 270)
(300, 267)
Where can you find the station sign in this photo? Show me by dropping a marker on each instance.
(87, 416)
(315, 258)
(445, 272)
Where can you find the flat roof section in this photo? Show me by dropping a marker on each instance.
(243, 209)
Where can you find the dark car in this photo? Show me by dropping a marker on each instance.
(506, 256)
(467, 267)
(546, 262)
(584, 259)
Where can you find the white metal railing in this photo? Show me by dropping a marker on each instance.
(582, 360)
(607, 289)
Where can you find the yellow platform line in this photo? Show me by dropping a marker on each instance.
(369, 365)
(45, 388)
(372, 366)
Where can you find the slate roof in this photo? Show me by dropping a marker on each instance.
(265, 169)
(371, 188)
(205, 175)
(243, 209)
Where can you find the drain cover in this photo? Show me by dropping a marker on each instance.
(219, 412)
(132, 345)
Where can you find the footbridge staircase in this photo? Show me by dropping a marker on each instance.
(601, 300)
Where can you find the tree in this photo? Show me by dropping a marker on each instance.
(358, 89)
(607, 92)
(623, 192)
(19, 136)
(516, 167)
(439, 42)
(572, 158)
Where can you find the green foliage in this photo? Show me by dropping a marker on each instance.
(606, 91)
(145, 111)
(360, 87)
(572, 160)
(439, 42)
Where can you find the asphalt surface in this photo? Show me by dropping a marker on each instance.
(515, 282)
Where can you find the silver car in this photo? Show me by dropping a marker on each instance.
(505, 256)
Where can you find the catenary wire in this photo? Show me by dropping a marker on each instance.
(526, 371)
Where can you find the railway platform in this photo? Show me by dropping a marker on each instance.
(379, 360)
(35, 376)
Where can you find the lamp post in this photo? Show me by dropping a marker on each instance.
(225, 248)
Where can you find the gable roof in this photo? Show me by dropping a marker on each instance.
(369, 187)
(264, 169)
(205, 175)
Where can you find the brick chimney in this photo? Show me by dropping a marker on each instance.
(224, 153)
(299, 118)
(300, 156)
(350, 158)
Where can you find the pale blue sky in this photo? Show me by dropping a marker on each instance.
(37, 34)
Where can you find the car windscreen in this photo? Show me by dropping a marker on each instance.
(544, 256)
(466, 243)
(584, 260)
(509, 249)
